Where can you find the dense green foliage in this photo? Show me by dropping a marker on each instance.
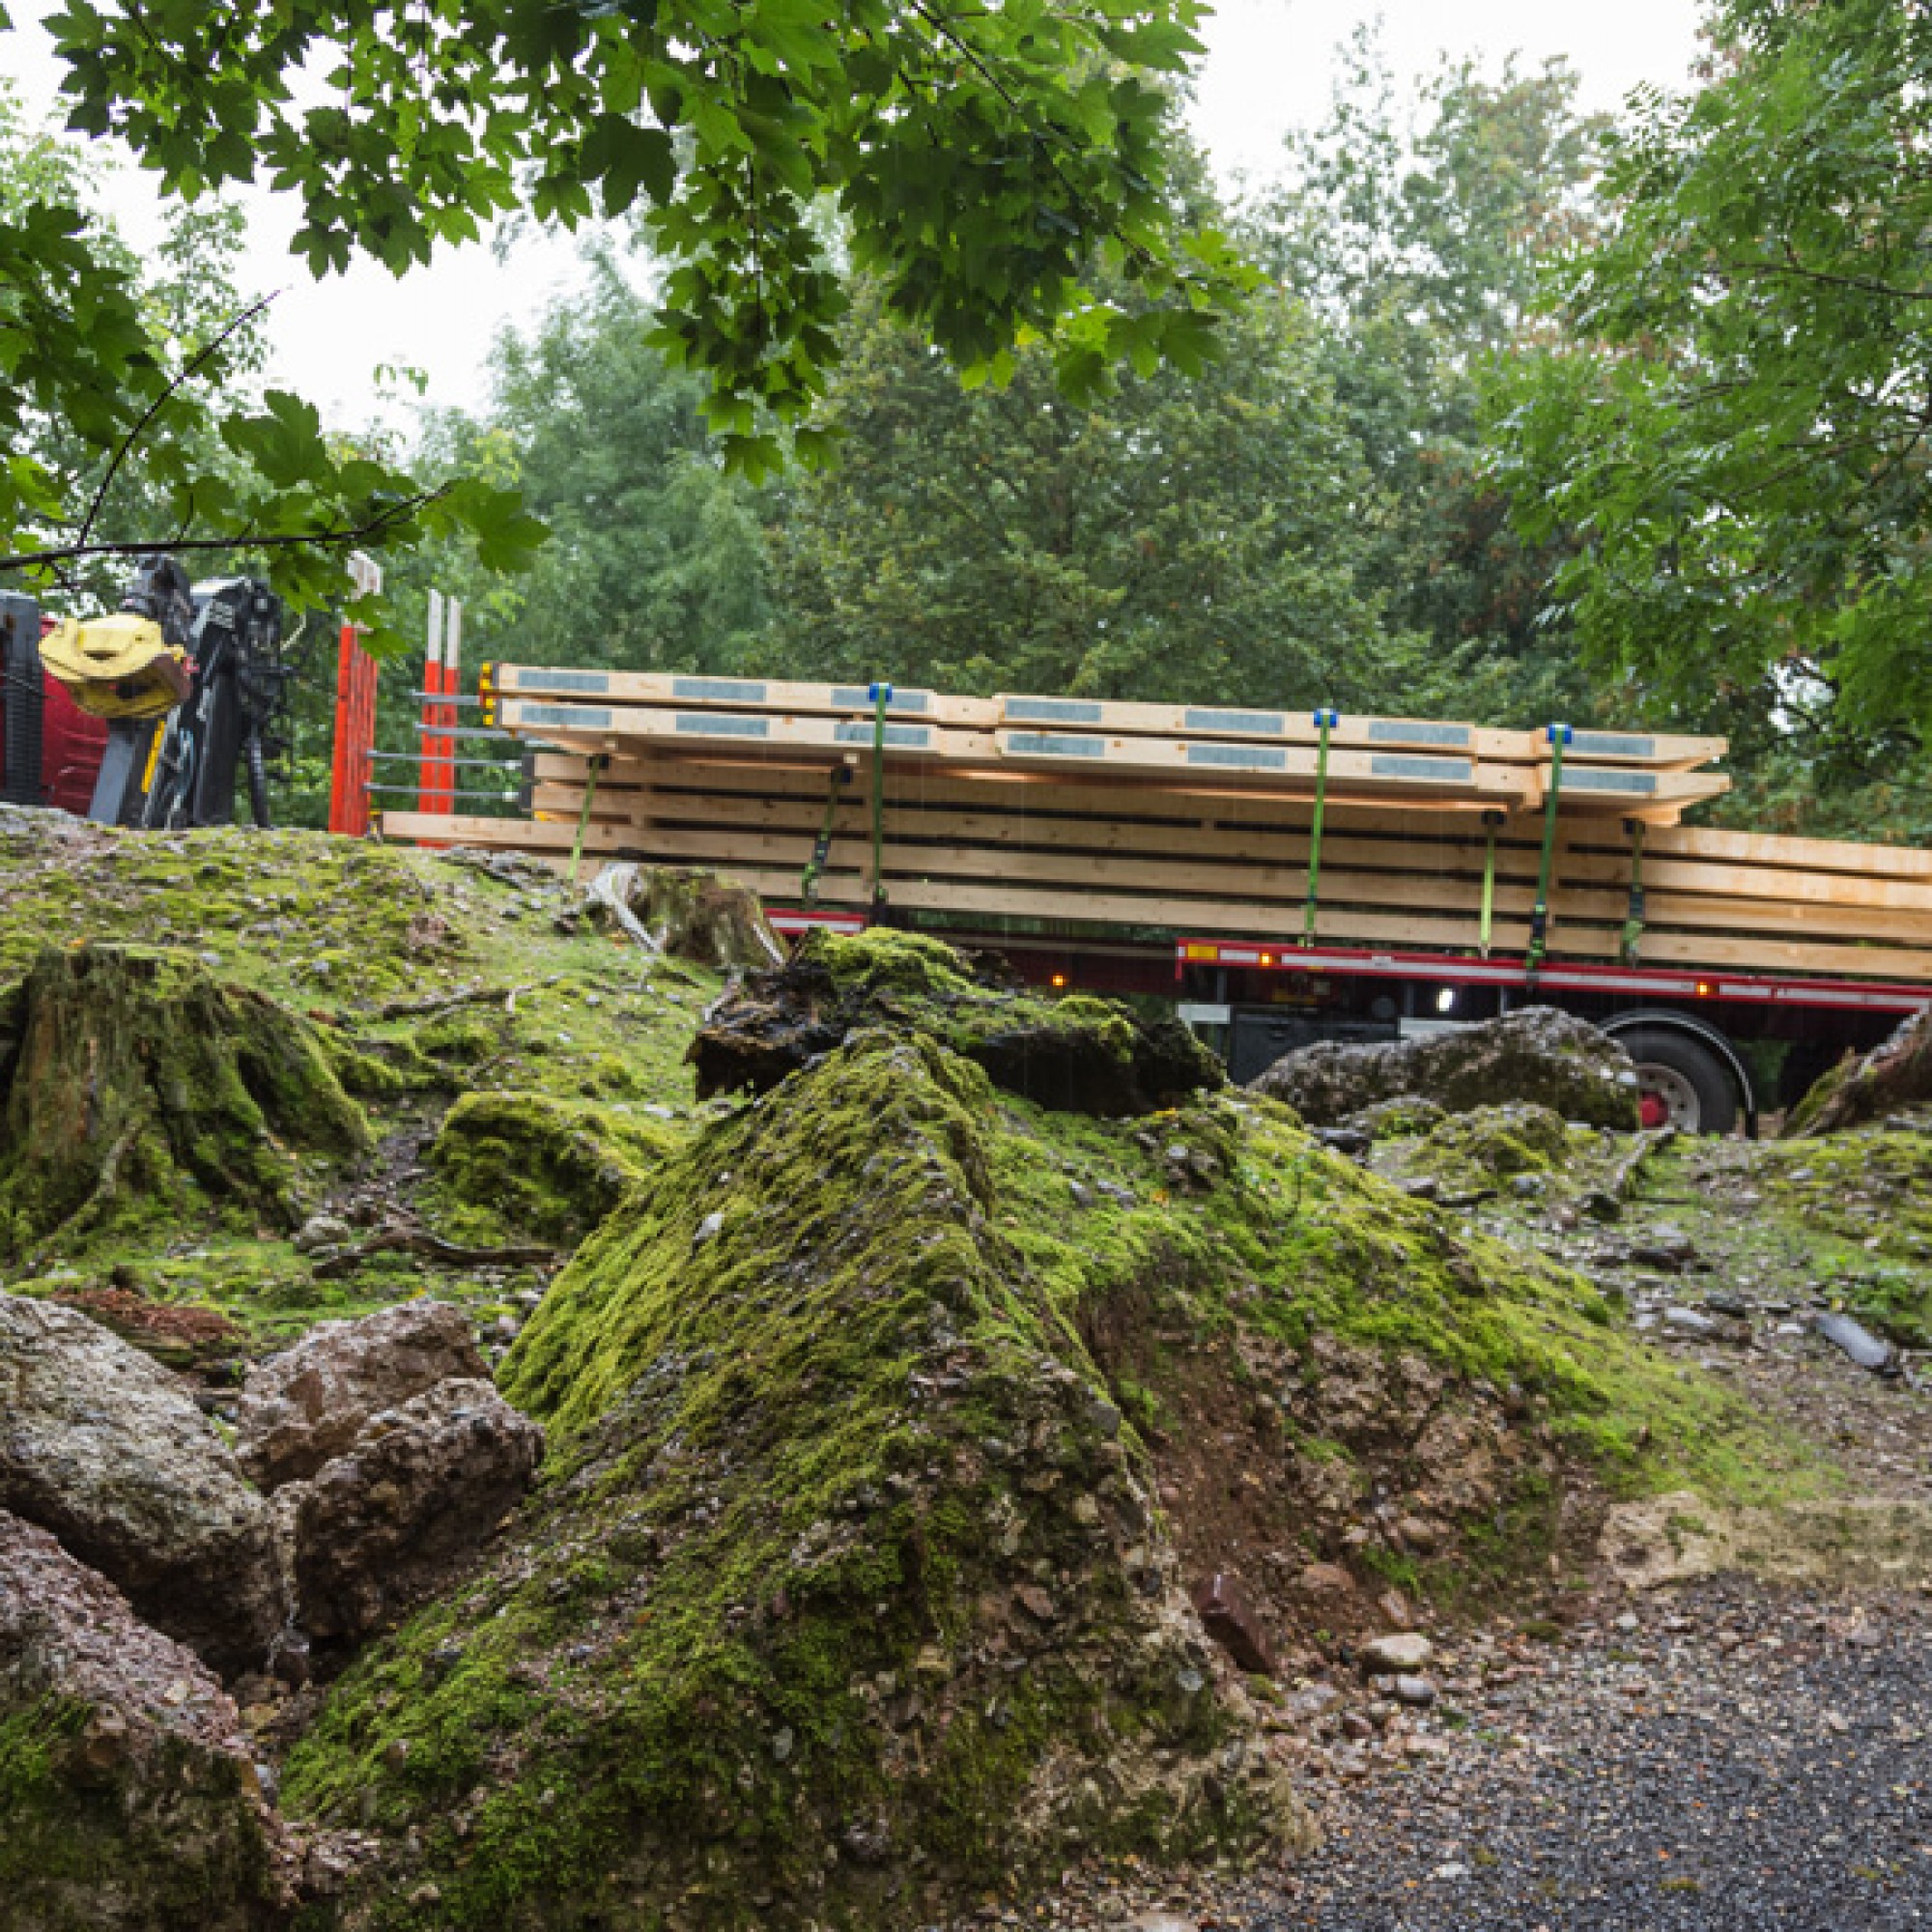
(1733, 404)
(1302, 521)
(1180, 536)
(130, 414)
(1417, 230)
(979, 158)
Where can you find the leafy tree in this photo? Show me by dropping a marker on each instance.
(1415, 227)
(980, 159)
(129, 419)
(1733, 404)
(1177, 539)
(656, 556)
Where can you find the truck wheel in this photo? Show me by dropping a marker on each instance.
(1681, 1082)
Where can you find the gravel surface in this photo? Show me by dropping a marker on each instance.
(1740, 1760)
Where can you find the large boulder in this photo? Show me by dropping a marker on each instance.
(422, 1487)
(1895, 1075)
(1538, 1056)
(1076, 1053)
(130, 1801)
(107, 1450)
(300, 1408)
(129, 1075)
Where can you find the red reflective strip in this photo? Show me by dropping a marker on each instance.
(1887, 996)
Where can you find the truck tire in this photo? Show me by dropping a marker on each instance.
(1681, 1076)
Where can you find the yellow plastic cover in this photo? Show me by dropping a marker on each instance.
(118, 667)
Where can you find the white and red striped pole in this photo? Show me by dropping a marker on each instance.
(429, 762)
(452, 686)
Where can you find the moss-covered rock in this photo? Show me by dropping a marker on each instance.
(1496, 1144)
(845, 1591)
(1076, 1053)
(128, 1074)
(1539, 1056)
(845, 1595)
(531, 1163)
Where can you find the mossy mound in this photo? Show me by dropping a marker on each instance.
(1402, 1118)
(1076, 1053)
(527, 1163)
(1497, 1144)
(1867, 1196)
(846, 1597)
(130, 1076)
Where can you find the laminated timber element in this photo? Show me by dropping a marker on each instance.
(1094, 815)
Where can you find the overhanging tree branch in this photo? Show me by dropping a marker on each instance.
(172, 388)
(375, 527)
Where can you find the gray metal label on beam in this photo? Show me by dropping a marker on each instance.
(1238, 757)
(910, 737)
(857, 697)
(1406, 732)
(597, 682)
(1610, 744)
(1256, 724)
(1580, 780)
(711, 725)
(572, 717)
(1442, 770)
(1055, 745)
(1052, 710)
(717, 690)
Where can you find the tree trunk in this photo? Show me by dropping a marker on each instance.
(130, 1076)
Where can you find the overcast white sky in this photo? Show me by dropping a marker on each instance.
(1268, 67)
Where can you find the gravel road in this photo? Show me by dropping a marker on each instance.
(1741, 1760)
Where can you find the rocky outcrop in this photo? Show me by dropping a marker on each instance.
(126, 1073)
(1076, 1053)
(1891, 1077)
(108, 1451)
(1539, 1056)
(130, 1799)
(300, 1408)
(422, 1487)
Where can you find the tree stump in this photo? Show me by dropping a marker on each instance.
(127, 1073)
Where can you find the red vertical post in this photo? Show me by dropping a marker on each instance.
(351, 763)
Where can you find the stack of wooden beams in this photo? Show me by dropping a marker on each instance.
(1083, 815)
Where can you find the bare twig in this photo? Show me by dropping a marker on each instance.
(469, 996)
(430, 1248)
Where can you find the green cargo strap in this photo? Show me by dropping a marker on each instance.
(1493, 823)
(1539, 918)
(1631, 939)
(881, 696)
(821, 850)
(597, 764)
(1325, 722)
